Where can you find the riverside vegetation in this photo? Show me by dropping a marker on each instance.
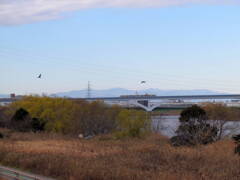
(40, 134)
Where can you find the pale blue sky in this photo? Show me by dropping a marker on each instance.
(187, 47)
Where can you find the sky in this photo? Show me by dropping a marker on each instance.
(171, 44)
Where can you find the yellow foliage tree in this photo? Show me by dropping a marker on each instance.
(132, 123)
(57, 112)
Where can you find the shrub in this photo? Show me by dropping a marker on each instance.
(132, 123)
(4, 118)
(180, 141)
(236, 138)
(194, 128)
(1, 136)
(37, 125)
(21, 120)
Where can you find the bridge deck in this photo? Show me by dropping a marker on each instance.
(200, 97)
(232, 96)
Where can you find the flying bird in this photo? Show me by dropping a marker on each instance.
(39, 76)
(143, 82)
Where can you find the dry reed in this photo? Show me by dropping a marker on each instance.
(102, 158)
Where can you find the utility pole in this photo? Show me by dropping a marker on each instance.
(89, 90)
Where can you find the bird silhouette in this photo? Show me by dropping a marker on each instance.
(40, 76)
(143, 82)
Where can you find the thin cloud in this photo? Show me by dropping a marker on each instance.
(13, 12)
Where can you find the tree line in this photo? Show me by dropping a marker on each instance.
(198, 125)
(60, 115)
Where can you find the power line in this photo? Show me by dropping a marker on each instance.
(155, 77)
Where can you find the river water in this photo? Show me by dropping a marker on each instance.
(167, 125)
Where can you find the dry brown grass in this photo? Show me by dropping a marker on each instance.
(102, 158)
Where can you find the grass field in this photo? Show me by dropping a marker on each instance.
(102, 158)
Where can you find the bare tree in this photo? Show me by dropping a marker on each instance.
(222, 117)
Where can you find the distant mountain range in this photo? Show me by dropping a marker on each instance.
(4, 96)
(116, 92)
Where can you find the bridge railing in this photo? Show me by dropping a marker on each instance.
(11, 174)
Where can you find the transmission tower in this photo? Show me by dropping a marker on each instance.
(89, 90)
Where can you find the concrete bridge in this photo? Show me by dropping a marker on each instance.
(190, 97)
(151, 102)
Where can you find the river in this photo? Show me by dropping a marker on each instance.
(167, 125)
